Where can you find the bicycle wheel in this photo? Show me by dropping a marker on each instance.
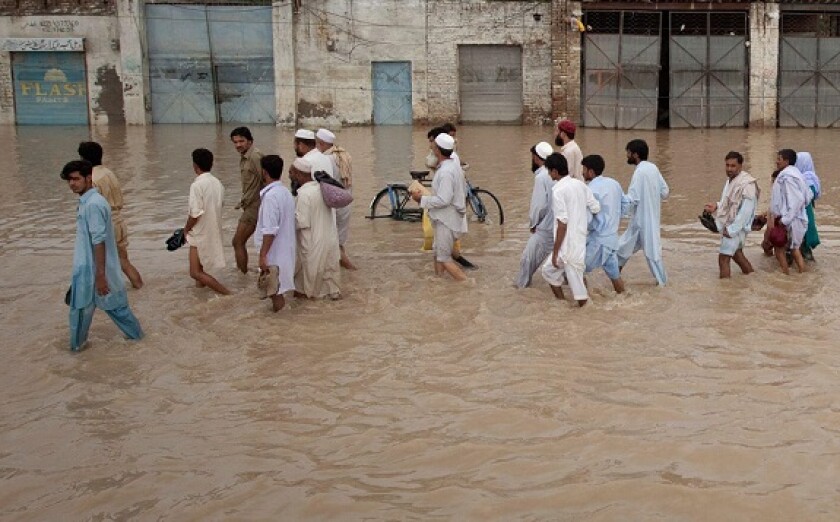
(486, 207)
(383, 205)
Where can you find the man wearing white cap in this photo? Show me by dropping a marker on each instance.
(317, 273)
(541, 218)
(447, 207)
(305, 148)
(343, 172)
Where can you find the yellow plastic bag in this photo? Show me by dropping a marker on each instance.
(428, 231)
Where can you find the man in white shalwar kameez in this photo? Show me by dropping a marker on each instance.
(342, 165)
(275, 233)
(572, 203)
(317, 273)
(203, 229)
(788, 202)
(540, 218)
(603, 227)
(564, 137)
(734, 215)
(447, 207)
(646, 192)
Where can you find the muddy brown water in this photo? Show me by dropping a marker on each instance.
(417, 398)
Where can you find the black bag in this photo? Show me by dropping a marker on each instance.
(708, 221)
(68, 296)
(176, 240)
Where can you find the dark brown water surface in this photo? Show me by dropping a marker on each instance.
(413, 397)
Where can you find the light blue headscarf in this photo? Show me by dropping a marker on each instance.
(805, 164)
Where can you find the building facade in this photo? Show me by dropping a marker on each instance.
(611, 64)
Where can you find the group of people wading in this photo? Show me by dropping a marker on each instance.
(300, 238)
(574, 219)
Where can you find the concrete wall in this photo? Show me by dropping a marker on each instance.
(102, 60)
(335, 42)
(764, 64)
(134, 67)
(457, 22)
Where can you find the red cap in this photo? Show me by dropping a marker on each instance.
(566, 126)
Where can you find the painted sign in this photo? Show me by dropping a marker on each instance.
(42, 44)
(50, 88)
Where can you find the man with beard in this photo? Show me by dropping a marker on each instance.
(564, 137)
(540, 218)
(646, 192)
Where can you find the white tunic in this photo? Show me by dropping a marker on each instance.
(206, 195)
(572, 202)
(319, 162)
(277, 218)
(317, 273)
(571, 151)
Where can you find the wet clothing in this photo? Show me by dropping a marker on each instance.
(206, 195)
(805, 164)
(109, 187)
(572, 203)
(342, 171)
(277, 218)
(317, 273)
(736, 211)
(645, 195)
(602, 241)
(571, 151)
(319, 162)
(541, 222)
(789, 201)
(93, 227)
(250, 172)
(447, 208)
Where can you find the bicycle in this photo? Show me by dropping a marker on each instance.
(392, 202)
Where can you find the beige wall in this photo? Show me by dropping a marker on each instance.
(102, 60)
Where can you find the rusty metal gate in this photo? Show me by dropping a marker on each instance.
(708, 70)
(621, 73)
(211, 63)
(809, 71)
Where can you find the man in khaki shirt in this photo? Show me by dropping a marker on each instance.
(252, 183)
(106, 182)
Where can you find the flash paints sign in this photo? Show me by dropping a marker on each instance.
(50, 88)
(54, 88)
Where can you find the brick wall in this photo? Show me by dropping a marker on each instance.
(57, 7)
(565, 61)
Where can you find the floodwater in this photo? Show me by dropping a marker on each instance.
(413, 397)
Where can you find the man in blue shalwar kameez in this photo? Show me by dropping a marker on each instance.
(646, 192)
(602, 239)
(97, 277)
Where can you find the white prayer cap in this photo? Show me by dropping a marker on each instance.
(305, 134)
(445, 141)
(543, 149)
(301, 165)
(325, 136)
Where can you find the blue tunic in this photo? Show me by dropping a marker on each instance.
(93, 226)
(602, 240)
(647, 190)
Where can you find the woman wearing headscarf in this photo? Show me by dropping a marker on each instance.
(805, 164)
